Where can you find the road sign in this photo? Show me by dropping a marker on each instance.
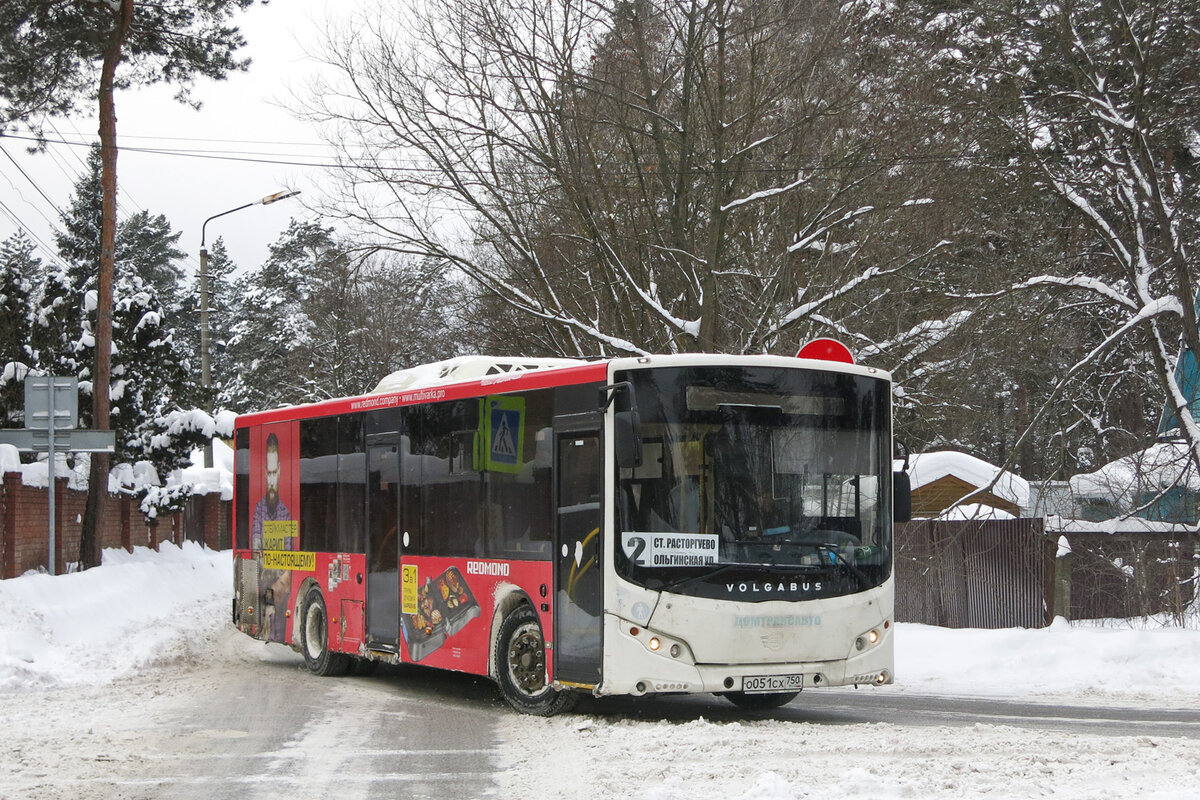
(46, 392)
(69, 441)
(51, 414)
(73, 441)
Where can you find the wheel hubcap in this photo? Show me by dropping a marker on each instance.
(314, 632)
(527, 660)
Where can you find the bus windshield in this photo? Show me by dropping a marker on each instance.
(756, 474)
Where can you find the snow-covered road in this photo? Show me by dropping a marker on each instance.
(91, 664)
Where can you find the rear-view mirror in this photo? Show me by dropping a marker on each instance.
(627, 441)
(901, 497)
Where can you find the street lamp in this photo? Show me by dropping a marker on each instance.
(205, 372)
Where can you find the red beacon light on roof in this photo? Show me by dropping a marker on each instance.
(826, 350)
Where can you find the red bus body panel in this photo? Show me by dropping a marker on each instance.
(461, 640)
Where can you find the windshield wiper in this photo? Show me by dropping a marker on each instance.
(684, 581)
(836, 557)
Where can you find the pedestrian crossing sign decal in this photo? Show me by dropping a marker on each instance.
(505, 419)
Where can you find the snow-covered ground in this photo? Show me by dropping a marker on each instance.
(148, 613)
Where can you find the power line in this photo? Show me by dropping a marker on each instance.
(226, 141)
(32, 182)
(50, 253)
(396, 166)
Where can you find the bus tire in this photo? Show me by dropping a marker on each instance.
(314, 639)
(521, 667)
(760, 702)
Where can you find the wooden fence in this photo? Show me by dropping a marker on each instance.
(993, 574)
(1009, 573)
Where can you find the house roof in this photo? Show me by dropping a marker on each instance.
(925, 468)
(1160, 466)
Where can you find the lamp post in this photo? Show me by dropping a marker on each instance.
(205, 370)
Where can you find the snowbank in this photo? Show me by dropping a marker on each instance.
(135, 611)
(1071, 662)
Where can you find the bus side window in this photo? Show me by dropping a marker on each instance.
(318, 484)
(451, 484)
(241, 511)
(352, 483)
(518, 522)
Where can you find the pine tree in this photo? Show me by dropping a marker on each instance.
(148, 248)
(148, 362)
(64, 336)
(57, 327)
(269, 341)
(146, 365)
(57, 55)
(18, 269)
(151, 374)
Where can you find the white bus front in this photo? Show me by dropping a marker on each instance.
(750, 538)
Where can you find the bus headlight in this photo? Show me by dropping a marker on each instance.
(870, 638)
(657, 643)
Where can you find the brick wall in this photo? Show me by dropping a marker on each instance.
(206, 519)
(24, 527)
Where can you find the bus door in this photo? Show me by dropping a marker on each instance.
(578, 552)
(383, 544)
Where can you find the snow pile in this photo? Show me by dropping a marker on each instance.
(134, 611)
(1070, 662)
(974, 511)
(37, 474)
(10, 458)
(749, 759)
(217, 478)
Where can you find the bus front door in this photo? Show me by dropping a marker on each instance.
(383, 546)
(578, 571)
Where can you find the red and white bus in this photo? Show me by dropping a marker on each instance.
(666, 524)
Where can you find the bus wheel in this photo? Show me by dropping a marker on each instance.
(521, 667)
(314, 639)
(759, 702)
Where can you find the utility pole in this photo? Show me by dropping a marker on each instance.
(205, 364)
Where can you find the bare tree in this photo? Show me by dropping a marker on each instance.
(655, 175)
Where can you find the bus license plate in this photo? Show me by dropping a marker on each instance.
(772, 683)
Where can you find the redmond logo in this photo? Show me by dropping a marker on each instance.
(487, 568)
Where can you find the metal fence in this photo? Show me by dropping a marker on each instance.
(988, 574)
(1012, 573)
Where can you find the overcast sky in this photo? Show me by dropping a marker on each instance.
(240, 119)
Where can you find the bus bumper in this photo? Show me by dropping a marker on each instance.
(641, 662)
